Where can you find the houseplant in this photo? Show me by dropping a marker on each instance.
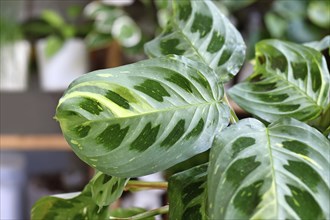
(14, 56)
(148, 116)
(62, 55)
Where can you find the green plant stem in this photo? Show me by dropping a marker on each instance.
(151, 213)
(141, 185)
(233, 117)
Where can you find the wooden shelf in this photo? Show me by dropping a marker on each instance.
(33, 142)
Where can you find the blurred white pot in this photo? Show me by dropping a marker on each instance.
(58, 71)
(14, 59)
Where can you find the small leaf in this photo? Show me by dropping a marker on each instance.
(142, 118)
(319, 13)
(320, 45)
(187, 194)
(198, 30)
(289, 80)
(106, 189)
(53, 18)
(53, 45)
(275, 172)
(69, 207)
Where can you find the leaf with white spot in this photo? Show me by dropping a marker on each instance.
(198, 30)
(69, 206)
(107, 189)
(277, 172)
(142, 118)
(188, 195)
(289, 80)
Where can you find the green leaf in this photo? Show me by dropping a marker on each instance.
(52, 18)
(188, 195)
(279, 172)
(128, 212)
(69, 206)
(53, 45)
(320, 45)
(319, 13)
(106, 189)
(289, 80)
(201, 32)
(142, 118)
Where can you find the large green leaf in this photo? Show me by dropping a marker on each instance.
(106, 189)
(144, 117)
(69, 206)
(198, 30)
(276, 172)
(188, 195)
(289, 80)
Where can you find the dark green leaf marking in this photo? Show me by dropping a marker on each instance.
(192, 191)
(116, 98)
(287, 108)
(296, 146)
(299, 70)
(263, 87)
(216, 43)
(305, 173)
(153, 89)
(169, 46)
(202, 24)
(240, 144)
(146, 138)
(185, 9)
(106, 178)
(279, 62)
(316, 77)
(112, 136)
(174, 135)
(82, 130)
(180, 81)
(192, 213)
(224, 57)
(273, 98)
(240, 169)
(304, 204)
(91, 105)
(196, 130)
(248, 198)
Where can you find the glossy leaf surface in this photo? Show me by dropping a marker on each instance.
(188, 195)
(289, 80)
(198, 30)
(142, 118)
(69, 206)
(276, 172)
(106, 189)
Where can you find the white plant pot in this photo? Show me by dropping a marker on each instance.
(14, 60)
(58, 71)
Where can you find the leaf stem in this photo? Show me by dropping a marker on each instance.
(150, 213)
(233, 117)
(142, 185)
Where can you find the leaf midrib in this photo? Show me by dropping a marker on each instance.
(154, 112)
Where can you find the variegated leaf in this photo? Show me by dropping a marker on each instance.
(188, 195)
(289, 80)
(276, 172)
(106, 189)
(70, 206)
(198, 30)
(320, 45)
(144, 117)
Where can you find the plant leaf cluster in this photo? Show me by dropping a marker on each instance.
(146, 117)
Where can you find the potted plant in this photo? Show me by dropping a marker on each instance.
(145, 117)
(62, 56)
(14, 56)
